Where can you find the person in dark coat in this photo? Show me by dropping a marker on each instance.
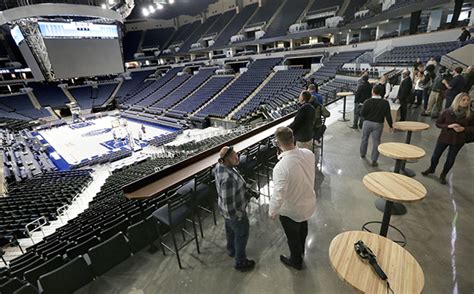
(454, 86)
(454, 123)
(465, 35)
(404, 94)
(363, 92)
(303, 125)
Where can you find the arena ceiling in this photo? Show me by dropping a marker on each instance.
(179, 7)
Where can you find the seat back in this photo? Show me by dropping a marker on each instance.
(177, 202)
(11, 285)
(142, 234)
(120, 226)
(26, 289)
(67, 278)
(33, 274)
(108, 254)
(82, 248)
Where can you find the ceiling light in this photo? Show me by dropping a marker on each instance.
(170, 1)
(111, 2)
(145, 12)
(151, 8)
(159, 6)
(104, 6)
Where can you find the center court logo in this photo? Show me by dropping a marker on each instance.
(97, 132)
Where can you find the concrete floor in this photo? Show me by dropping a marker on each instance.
(439, 231)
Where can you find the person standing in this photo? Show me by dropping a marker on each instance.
(303, 124)
(386, 88)
(313, 90)
(375, 110)
(454, 86)
(465, 35)
(293, 198)
(363, 93)
(454, 123)
(418, 89)
(429, 76)
(231, 190)
(404, 94)
(435, 94)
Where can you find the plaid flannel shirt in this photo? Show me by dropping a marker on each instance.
(231, 188)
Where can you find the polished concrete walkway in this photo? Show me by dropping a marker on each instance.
(439, 232)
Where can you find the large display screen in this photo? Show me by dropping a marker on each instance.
(82, 49)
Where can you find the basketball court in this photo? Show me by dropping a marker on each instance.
(70, 144)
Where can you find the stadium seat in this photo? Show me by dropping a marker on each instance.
(108, 254)
(67, 278)
(142, 234)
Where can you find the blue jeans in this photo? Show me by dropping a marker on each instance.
(358, 120)
(373, 129)
(237, 234)
(452, 153)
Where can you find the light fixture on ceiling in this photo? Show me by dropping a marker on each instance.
(171, 1)
(159, 6)
(151, 8)
(103, 6)
(111, 2)
(145, 12)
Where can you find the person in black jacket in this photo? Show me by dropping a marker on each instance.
(465, 35)
(374, 111)
(363, 92)
(405, 94)
(303, 125)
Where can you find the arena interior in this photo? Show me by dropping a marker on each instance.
(113, 113)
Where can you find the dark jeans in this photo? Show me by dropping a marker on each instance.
(358, 120)
(296, 233)
(426, 96)
(449, 100)
(237, 234)
(418, 96)
(403, 110)
(452, 153)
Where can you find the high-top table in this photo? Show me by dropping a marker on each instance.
(409, 127)
(344, 96)
(404, 273)
(392, 188)
(400, 152)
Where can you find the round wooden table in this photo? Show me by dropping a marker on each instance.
(400, 152)
(392, 188)
(404, 273)
(409, 127)
(344, 95)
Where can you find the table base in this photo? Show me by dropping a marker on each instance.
(367, 225)
(397, 209)
(405, 171)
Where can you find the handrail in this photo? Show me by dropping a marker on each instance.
(38, 226)
(454, 60)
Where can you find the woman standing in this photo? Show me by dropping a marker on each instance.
(454, 123)
(419, 89)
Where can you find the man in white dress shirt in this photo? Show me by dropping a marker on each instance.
(293, 198)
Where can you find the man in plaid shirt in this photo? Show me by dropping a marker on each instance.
(231, 188)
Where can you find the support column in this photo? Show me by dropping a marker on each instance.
(434, 20)
(414, 21)
(457, 11)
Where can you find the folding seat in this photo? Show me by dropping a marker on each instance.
(108, 254)
(67, 278)
(11, 285)
(33, 274)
